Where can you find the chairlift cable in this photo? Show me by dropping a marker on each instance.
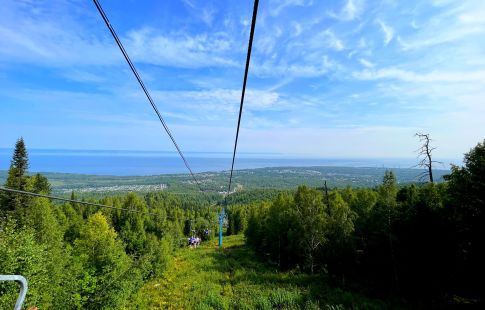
(243, 92)
(16, 191)
(145, 90)
(246, 70)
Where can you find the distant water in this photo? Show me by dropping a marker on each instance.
(124, 163)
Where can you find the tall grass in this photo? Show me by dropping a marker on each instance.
(235, 278)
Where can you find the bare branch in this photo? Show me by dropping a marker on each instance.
(425, 154)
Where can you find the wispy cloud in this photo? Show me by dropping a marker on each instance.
(387, 31)
(315, 65)
(429, 77)
(279, 6)
(189, 3)
(45, 43)
(324, 69)
(457, 21)
(208, 15)
(203, 50)
(328, 39)
(366, 63)
(351, 10)
(298, 29)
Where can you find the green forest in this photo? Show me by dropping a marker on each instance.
(247, 180)
(391, 245)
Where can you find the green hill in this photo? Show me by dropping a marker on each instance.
(235, 278)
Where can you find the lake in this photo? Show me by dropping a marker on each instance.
(124, 163)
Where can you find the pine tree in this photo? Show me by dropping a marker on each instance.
(17, 178)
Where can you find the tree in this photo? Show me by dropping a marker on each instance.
(105, 266)
(387, 200)
(17, 178)
(255, 232)
(340, 227)
(388, 190)
(40, 184)
(132, 224)
(281, 227)
(340, 217)
(312, 220)
(21, 254)
(466, 191)
(467, 184)
(40, 217)
(425, 153)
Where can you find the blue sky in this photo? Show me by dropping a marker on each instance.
(350, 78)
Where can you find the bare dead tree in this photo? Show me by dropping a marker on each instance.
(425, 156)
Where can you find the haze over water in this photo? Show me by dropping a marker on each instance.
(123, 163)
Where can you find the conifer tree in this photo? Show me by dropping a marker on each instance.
(17, 178)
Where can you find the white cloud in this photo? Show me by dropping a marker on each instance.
(387, 30)
(366, 63)
(327, 38)
(45, 43)
(351, 10)
(203, 50)
(207, 16)
(314, 65)
(372, 141)
(46, 39)
(457, 21)
(439, 37)
(219, 100)
(298, 29)
(265, 44)
(431, 77)
(189, 3)
(279, 6)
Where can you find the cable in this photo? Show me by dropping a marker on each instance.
(246, 70)
(135, 72)
(75, 201)
(248, 58)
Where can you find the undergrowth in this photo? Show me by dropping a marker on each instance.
(234, 278)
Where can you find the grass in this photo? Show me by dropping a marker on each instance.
(235, 278)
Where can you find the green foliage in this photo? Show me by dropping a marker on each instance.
(21, 254)
(388, 190)
(416, 241)
(466, 196)
(17, 179)
(40, 184)
(78, 257)
(132, 229)
(295, 230)
(253, 185)
(237, 219)
(235, 278)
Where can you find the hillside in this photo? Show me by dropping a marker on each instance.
(206, 278)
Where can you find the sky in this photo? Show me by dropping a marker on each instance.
(349, 78)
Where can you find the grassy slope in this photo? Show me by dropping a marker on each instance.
(206, 278)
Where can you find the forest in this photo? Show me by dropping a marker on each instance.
(247, 180)
(79, 257)
(419, 244)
